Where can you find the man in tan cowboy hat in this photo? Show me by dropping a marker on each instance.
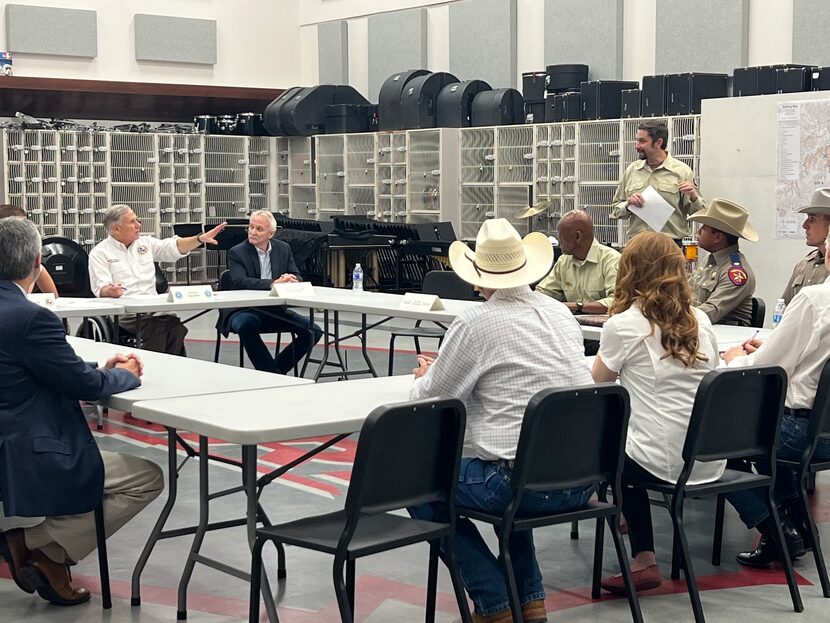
(724, 285)
(811, 270)
(494, 358)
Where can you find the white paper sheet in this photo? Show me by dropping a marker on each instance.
(655, 211)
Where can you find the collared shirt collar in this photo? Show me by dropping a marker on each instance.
(267, 251)
(593, 253)
(643, 163)
(26, 294)
(510, 293)
(718, 257)
(119, 244)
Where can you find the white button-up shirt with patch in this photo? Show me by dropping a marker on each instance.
(496, 356)
(111, 262)
(800, 344)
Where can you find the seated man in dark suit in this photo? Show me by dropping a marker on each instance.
(49, 464)
(256, 264)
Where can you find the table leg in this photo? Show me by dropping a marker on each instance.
(204, 507)
(337, 345)
(325, 356)
(172, 481)
(138, 330)
(116, 330)
(363, 336)
(249, 478)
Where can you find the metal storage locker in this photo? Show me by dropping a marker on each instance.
(281, 180)
(330, 175)
(478, 179)
(360, 174)
(433, 186)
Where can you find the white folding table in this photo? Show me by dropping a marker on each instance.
(171, 377)
(250, 418)
(336, 300)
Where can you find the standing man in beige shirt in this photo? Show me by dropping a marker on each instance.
(811, 270)
(585, 274)
(672, 179)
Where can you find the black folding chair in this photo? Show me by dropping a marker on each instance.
(569, 438)
(226, 284)
(736, 415)
(103, 561)
(818, 429)
(408, 454)
(759, 312)
(446, 285)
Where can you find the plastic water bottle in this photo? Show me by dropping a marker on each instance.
(357, 278)
(780, 306)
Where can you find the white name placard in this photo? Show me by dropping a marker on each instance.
(299, 288)
(189, 294)
(421, 302)
(45, 299)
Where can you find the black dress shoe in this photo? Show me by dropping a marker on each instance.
(767, 550)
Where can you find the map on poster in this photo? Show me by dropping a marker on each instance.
(803, 161)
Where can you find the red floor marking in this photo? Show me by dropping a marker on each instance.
(372, 592)
(574, 598)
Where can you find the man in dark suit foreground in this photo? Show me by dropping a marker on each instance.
(50, 465)
(257, 264)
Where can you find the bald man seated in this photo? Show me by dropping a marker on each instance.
(585, 274)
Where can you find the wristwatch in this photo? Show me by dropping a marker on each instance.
(579, 307)
(199, 240)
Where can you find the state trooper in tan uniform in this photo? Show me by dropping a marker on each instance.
(723, 286)
(811, 271)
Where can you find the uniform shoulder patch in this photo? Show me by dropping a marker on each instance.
(736, 273)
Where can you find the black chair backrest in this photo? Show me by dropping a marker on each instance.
(225, 282)
(408, 454)
(759, 313)
(161, 280)
(572, 437)
(68, 264)
(819, 427)
(736, 414)
(447, 285)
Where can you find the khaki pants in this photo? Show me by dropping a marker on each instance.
(160, 333)
(130, 484)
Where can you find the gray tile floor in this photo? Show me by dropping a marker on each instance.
(390, 587)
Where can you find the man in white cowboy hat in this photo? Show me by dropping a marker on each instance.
(811, 270)
(723, 286)
(495, 358)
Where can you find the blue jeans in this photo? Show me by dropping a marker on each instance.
(792, 440)
(486, 486)
(251, 323)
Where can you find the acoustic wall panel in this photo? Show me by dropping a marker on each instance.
(701, 36)
(333, 52)
(483, 41)
(397, 42)
(811, 23)
(588, 32)
(175, 39)
(46, 30)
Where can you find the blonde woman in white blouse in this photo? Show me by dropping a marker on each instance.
(660, 347)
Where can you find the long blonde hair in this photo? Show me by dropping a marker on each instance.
(652, 274)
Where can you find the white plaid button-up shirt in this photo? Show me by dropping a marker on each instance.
(496, 356)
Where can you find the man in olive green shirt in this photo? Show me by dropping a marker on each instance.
(672, 179)
(585, 274)
(811, 271)
(722, 287)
